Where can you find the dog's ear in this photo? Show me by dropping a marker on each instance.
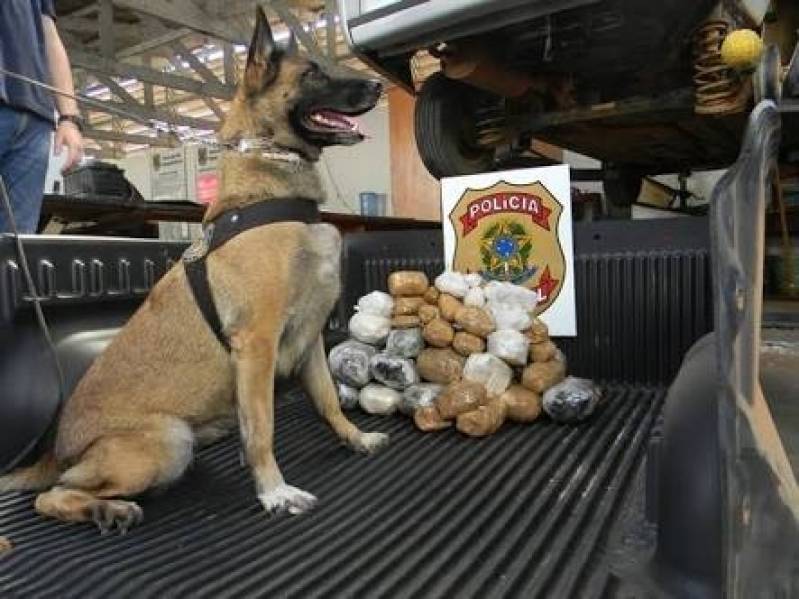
(262, 64)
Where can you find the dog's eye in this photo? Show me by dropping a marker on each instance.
(314, 75)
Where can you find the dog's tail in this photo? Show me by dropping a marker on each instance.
(39, 476)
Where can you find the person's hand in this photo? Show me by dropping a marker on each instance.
(67, 134)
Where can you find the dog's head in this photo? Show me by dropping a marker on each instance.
(295, 101)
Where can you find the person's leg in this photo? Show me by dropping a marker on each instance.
(24, 153)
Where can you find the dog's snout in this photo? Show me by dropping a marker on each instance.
(375, 86)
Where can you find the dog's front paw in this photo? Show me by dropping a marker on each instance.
(110, 515)
(370, 442)
(285, 497)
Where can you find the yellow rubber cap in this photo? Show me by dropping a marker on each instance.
(741, 49)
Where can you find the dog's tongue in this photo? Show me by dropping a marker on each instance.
(334, 120)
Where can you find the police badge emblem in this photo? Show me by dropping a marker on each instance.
(516, 227)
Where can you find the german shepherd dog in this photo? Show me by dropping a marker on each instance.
(166, 384)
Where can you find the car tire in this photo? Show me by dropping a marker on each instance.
(444, 129)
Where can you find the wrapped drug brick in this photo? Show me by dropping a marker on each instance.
(393, 371)
(510, 346)
(522, 405)
(572, 400)
(448, 306)
(428, 419)
(475, 298)
(467, 344)
(441, 366)
(475, 321)
(509, 316)
(540, 376)
(369, 328)
(405, 343)
(418, 396)
(438, 333)
(404, 306)
(379, 399)
(376, 303)
(453, 283)
(428, 313)
(538, 331)
(498, 292)
(473, 279)
(459, 397)
(431, 295)
(348, 396)
(407, 283)
(494, 374)
(543, 352)
(484, 421)
(349, 362)
(409, 321)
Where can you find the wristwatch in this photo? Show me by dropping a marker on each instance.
(75, 119)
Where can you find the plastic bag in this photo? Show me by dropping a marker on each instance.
(453, 283)
(460, 397)
(418, 396)
(404, 306)
(484, 421)
(409, 321)
(475, 321)
(368, 328)
(349, 362)
(475, 298)
(522, 405)
(440, 365)
(467, 344)
(348, 396)
(509, 316)
(543, 352)
(392, 371)
(488, 370)
(377, 303)
(511, 346)
(438, 333)
(538, 331)
(514, 295)
(448, 306)
(405, 343)
(428, 419)
(407, 282)
(572, 400)
(473, 279)
(431, 295)
(428, 313)
(540, 376)
(379, 399)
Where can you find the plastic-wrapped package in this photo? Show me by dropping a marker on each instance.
(572, 400)
(377, 303)
(543, 352)
(392, 371)
(428, 419)
(440, 365)
(348, 396)
(515, 295)
(448, 306)
(407, 282)
(467, 344)
(459, 397)
(431, 295)
(428, 313)
(408, 321)
(475, 321)
(453, 283)
(509, 345)
(405, 343)
(475, 298)
(522, 404)
(404, 306)
(509, 316)
(379, 399)
(473, 279)
(488, 370)
(484, 421)
(369, 328)
(540, 376)
(538, 331)
(438, 333)
(349, 362)
(418, 396)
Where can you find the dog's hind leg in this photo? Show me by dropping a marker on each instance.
(255, 357)
(120, 465)
(318, 383)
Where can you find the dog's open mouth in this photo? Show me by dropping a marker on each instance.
(333, 121)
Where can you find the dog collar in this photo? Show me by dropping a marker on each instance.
(267, 149)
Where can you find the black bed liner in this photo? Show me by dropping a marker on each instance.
(527, 512)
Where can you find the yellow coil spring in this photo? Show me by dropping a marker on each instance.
(717, 88)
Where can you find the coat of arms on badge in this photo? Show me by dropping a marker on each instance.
(516, 227)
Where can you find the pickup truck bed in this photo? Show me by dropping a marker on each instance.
(534, 510)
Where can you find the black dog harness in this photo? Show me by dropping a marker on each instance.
(224, 228)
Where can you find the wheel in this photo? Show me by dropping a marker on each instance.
(444, 128)
(621, 187)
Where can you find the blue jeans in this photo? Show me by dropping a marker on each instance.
(24, 153)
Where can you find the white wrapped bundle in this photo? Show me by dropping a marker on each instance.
(376, 303)
(475, 297)
(394, 372)
(369, 328)
(473, 279)
(379, 399)
(349, 362)
(452, 282)
(510, 294)
(348, 396)
(489, 370)
(509, 316)
(511, 346)
(418, 396)
(571, 400)
(405, 343)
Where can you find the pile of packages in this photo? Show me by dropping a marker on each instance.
(460, 352)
